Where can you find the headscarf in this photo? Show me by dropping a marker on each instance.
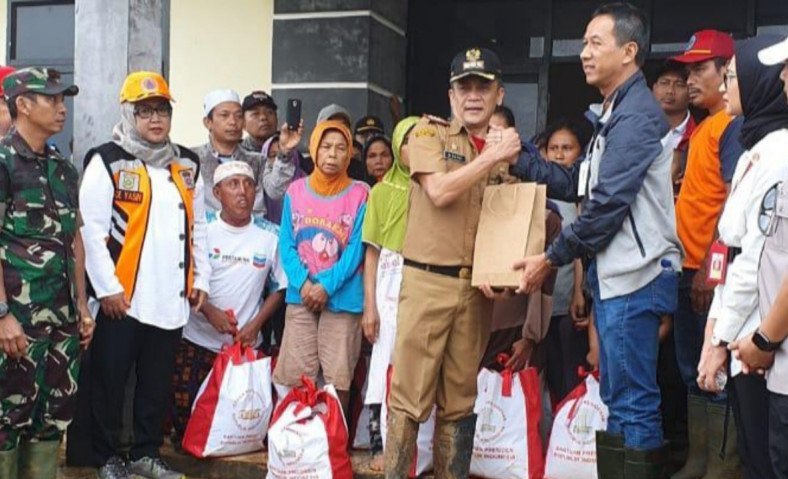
(387, 208)
(761, 91)
(125, 134)
(370, 141)
(319, 181)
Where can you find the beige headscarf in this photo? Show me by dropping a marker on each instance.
(125, 134)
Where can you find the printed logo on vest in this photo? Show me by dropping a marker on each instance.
(129, 181)
(188, 178)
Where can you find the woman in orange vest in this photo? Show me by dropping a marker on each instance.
(144, 229)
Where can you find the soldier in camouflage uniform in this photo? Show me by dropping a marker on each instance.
(43, 307)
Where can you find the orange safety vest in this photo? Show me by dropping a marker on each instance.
(131, 208)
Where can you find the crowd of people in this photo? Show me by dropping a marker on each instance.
(665, 266)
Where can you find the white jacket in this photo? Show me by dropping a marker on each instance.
(735, 305)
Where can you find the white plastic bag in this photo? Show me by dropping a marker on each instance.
(507, 443)
(233, 407)
(572, 450)
(308, 437)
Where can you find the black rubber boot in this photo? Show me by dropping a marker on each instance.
(697, 432)
(609, 456)
(453, 447)
(647, 464)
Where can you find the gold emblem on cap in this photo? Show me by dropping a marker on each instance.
(370, 122)
(472, 60)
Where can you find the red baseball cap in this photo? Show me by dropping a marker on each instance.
(4, 72)
(705, 45)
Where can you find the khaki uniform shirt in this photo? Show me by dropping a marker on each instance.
(443, 236)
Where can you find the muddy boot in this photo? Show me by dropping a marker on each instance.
(648, 464)
(453, 447)
(400, 445)
(724, 462)
(697, 433)
(609, 456)
(38, 460)
(9, 461)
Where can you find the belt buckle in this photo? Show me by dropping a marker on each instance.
(465, 273)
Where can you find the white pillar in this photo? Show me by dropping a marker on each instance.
(112, 38)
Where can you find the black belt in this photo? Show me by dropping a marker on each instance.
(462, 272)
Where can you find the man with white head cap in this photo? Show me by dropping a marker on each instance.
(224, 120)
(244, 265)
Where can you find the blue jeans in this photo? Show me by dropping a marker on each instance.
(688, 332)
(628, 329)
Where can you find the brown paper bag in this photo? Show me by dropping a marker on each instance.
(511, 226)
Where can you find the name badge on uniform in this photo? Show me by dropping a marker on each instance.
(453, 156)
(718, 263)
(582, 184)
(188, 178)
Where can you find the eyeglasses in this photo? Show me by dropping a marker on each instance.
(767, 209)
(729, 76)
(146, 112)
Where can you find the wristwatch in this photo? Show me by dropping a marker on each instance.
(717, 342)
(3, 309)
(763, 342)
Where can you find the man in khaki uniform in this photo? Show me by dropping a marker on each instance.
(444, 323)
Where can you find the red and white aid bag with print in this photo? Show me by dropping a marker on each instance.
(422, 460)
(508, 409)
(232, 409)
(571, 453)
(308, 438)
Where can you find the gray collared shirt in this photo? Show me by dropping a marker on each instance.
(272, 178)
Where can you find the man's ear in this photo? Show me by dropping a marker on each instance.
(207, 123)
(630, 53)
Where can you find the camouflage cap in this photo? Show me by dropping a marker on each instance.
(45, 81)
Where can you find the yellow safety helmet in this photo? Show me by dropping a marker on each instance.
(142, 85)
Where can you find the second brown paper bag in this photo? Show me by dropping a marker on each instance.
(511, 226)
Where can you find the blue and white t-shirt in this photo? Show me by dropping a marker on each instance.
(245, 265)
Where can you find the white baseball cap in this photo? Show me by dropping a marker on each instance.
(774, 54)
(219, 96)
(232, 168)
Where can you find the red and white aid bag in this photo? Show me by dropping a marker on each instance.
(422, 460)
(508, 409)
(308, 438)
(572, 450)
(233, 406)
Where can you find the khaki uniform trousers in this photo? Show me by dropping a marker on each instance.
(443, 326)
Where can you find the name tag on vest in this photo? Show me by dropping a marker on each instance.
(128, 196)
(452, 156)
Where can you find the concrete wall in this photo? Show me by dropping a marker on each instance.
(216, 45)
(3, 28)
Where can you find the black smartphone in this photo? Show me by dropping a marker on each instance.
(293, 118)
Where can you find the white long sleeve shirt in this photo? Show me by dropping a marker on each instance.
(735, 305)
(159, 298)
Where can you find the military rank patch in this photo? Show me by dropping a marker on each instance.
(424, 131)
(453, 156)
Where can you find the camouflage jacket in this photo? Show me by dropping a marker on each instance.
(40, 194)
